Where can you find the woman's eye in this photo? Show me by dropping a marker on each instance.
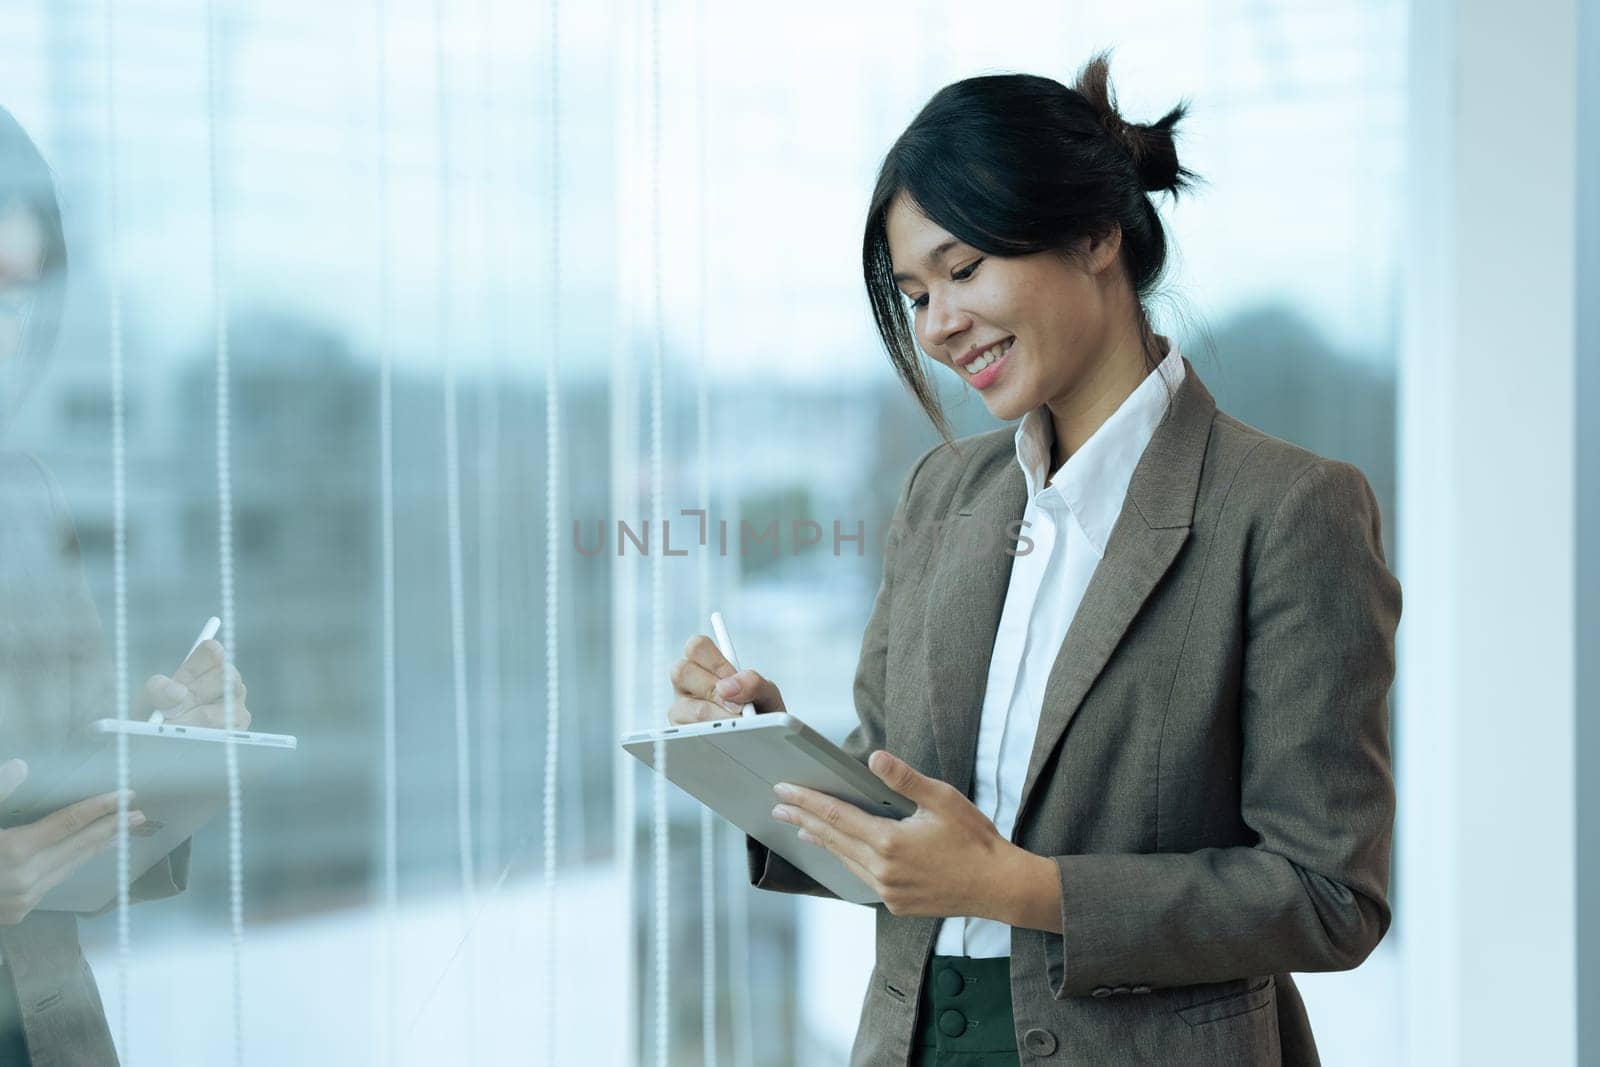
(960, 276)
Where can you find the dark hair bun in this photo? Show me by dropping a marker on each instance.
(1149, 145)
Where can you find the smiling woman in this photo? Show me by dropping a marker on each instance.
(1150, 755)
(971, 189)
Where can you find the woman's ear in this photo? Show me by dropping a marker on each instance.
(1100, 249)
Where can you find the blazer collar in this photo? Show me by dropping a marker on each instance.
(971, 571)
(1093, 483)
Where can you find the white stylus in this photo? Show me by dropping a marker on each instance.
(207, 632)
(719, 630)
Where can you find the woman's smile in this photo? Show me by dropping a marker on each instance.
(983, 371)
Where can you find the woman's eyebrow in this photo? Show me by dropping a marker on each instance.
(932, 258)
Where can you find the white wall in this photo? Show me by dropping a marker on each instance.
(1487, 545)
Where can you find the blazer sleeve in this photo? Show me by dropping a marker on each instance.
(1316, 785)
(767, 869)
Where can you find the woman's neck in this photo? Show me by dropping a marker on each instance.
(1076, 416)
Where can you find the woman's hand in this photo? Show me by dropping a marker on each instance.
(947, 859)
(705, 686)
(193, 695)
(41, 855)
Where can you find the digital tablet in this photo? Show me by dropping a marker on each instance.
(179, 778)
(731, 765)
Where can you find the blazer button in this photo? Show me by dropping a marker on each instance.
(948, 982)
(1100, 991)
(1121, 989)
(1039, 1042)
(1140, 989)
(952, 1023)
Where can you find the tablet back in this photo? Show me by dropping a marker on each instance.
(731, 765)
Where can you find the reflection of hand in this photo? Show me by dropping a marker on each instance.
(193, 695)
(39, 856)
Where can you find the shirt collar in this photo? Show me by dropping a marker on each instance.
(1094, 480)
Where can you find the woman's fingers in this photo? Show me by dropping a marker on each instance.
(207, 685)
(692, 679)
(66, 823)
(163, 693)
(206, 657)
(697, 700)
(188, 695)
(707, 686)
(746, 687)
(61, 859)
(850, 860)
(687, 707)
(684, 711)
(721, 697)
(39, 856)
(749, 687)
(703, 650)
(56, 864)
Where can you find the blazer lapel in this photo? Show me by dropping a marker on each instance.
(1152, 527)
(967, 590)
(969, 583)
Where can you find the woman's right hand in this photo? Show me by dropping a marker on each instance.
(705, 686)
(41, 855)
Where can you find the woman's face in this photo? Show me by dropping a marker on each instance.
(1052, 317)
(21, 264)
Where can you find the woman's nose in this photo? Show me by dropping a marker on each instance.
(944, 321)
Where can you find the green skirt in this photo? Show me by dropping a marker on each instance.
(964, 1014)
(13, 1046)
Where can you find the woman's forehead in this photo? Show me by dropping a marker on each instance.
(21, 245)
(916, 242)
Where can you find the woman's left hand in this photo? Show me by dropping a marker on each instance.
(944, 860)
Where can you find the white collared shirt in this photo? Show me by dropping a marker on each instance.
(1069, 521)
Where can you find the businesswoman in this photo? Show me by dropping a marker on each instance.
(55, 672)
(1148, 737)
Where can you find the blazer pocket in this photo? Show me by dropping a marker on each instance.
(1254, 998)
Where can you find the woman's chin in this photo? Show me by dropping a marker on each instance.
(1005, 405)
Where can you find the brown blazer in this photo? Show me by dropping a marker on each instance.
(1211, 771)
(55, 676)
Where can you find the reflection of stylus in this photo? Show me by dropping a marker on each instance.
(207, 632)
(725, 645)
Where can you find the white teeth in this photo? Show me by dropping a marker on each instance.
(988, 357)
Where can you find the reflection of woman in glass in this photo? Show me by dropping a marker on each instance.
(1149, 744)
(55, 674)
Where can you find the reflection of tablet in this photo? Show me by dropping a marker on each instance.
(179, 778)
(731, 765)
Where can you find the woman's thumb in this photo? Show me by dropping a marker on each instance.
(748, 687)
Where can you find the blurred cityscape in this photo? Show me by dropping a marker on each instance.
(807, 424)
(307, 524)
